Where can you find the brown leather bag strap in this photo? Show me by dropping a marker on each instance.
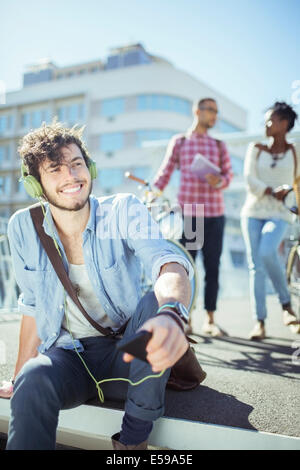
(58, 265)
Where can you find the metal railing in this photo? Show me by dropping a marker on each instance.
(8, 286)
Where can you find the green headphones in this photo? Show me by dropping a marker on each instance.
(34, 188)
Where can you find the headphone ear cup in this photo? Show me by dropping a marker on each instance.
(93, 169)
(32, 186)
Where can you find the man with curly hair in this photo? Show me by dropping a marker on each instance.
(49, 375)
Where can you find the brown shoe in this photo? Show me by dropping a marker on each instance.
(117, 445)
(258, 333)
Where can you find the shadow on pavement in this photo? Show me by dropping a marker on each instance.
(203, 404)
(263, 358)
(207, 405)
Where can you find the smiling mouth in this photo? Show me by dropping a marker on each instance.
(72, 190)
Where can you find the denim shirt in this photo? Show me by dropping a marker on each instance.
(120, 235)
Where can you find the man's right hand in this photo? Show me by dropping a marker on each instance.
(6, 389)
(167, 344)
(151, 196)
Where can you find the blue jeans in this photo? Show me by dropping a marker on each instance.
(262, 238)
(57, 380)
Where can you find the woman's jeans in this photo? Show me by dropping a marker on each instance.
(262, 238)
(57, 380)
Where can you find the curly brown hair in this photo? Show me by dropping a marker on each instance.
(46, 142)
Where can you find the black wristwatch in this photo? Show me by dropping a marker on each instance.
(179, 308)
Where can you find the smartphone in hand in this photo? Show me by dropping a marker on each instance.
(136, 345)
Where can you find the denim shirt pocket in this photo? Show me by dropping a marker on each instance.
(45, 292)
(35, 279)
(122, 287)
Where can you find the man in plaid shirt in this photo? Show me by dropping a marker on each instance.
(202, 202)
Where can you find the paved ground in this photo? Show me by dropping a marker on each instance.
(249, 385)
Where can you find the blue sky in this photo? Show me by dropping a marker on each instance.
(247, 50)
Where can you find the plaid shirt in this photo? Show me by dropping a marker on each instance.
(192, 190)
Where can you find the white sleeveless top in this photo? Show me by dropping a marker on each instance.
(259, 174)
(77, 323)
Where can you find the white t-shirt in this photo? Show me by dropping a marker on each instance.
(259, 175)
(78, 324)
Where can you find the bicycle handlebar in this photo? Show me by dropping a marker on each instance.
(135, 178)
(149, 197)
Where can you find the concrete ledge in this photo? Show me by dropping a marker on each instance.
(90, 427)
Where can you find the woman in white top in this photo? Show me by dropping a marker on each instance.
(264, 218)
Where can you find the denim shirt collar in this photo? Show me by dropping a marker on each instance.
(90, 224)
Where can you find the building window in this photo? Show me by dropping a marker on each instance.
(4, 185)
(143, 136)
(4, 153)
(35, 118)
(132, 58)
(126, 58)
(164, 103)
(111, 142)
(46, 115)
(62, 114)
(20, 189)
(9, 122)
(6, 123)
(2, 124)
(225, 126)
(112, 107)
(71, 114)
(25, 120)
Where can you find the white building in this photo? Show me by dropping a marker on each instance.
(131, 104)
(129, 98)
